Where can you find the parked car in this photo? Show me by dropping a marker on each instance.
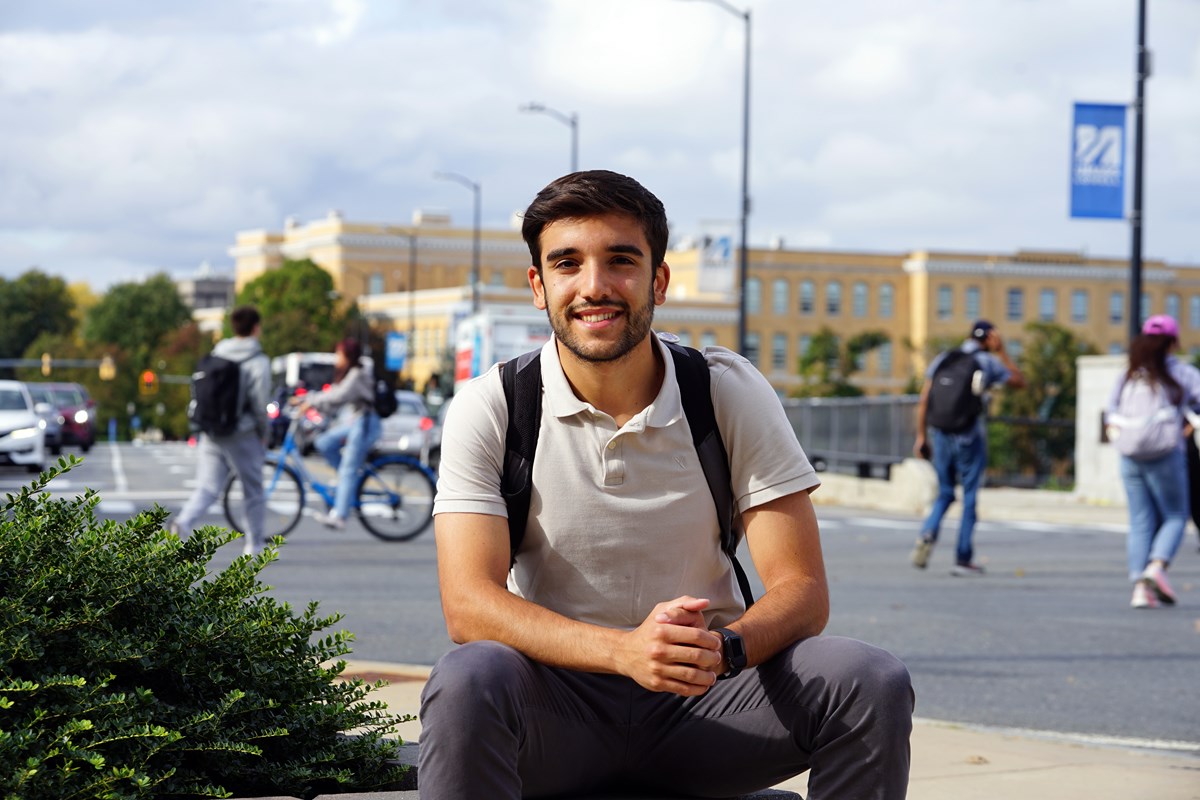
(52, 419)
(22, 438)
(78, 411)
(410, 430)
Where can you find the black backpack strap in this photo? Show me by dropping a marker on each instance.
(522, 381)
(691, 373)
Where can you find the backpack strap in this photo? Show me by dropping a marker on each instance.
(691, 372)
(522, 381)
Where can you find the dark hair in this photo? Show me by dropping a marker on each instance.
(592, 193)
(243, 320)
(1148, 353)
(351, 348)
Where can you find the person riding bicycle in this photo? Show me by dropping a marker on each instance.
(348, 440)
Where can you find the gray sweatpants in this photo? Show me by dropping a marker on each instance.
(496, 724)
(246, 453)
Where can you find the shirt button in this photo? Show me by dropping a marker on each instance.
(612, 445)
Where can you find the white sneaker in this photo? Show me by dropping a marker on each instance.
(1143, 597)
(333, 521)
(1155, 579)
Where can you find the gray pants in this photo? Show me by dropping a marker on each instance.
(246, 453)
(496, 724)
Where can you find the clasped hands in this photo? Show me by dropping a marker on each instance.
(673, 650)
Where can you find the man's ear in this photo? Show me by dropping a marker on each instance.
(539, 290)
(662, 279)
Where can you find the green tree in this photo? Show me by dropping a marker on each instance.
(136, 317)
(828, 365)
(31, 305)
(298, 306)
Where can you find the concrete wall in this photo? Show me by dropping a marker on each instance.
(1096, 477)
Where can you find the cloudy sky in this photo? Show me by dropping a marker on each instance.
(141, 136)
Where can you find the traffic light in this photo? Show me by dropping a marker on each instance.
(149, 383)
(46, 365)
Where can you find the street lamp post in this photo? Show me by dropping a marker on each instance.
(570, 120)
(475, 188)
(743, 256)
(1135, 216)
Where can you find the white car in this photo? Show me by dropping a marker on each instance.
(22, 436)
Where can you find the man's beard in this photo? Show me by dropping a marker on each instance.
(637, 327)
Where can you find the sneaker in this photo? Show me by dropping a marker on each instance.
(967, 570)
(1155, 579)
(173, 528)
(1143, 597)
(920, 553)
(333, 521)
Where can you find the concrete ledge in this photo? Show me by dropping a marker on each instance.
(410, 751)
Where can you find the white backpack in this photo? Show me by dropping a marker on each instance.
(1146, 425)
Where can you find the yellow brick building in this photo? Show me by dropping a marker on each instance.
(417, 277)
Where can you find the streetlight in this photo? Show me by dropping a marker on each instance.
(742, 252)
(571, 120)
(474, 187)
(1135, 216)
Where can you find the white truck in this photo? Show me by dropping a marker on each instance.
(492, 336)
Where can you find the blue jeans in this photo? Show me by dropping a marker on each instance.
(1158, 508)
(961, 458)
(345, 447)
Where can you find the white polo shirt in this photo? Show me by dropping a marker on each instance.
(621, 519)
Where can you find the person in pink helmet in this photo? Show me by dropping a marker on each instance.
(1156, 484)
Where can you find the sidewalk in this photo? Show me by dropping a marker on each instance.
(949, 762)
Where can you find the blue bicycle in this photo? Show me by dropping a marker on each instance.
(393, 500)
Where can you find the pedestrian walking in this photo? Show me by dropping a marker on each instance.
(953, 407)
(348, 440)
(1145, 419)
(229, 405)
(612, 646)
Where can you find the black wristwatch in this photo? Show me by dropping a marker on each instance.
(734, 650)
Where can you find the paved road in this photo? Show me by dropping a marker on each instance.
(1045, 641)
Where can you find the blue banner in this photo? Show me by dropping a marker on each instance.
(1098, 161)
(397, 349)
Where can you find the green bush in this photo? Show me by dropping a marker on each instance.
(128, 671)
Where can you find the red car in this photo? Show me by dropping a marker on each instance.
(78, 411)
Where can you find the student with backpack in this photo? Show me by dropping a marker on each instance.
(1145, 419)
(952, 411)
(348, 440)
(230, 392)
(605, 640)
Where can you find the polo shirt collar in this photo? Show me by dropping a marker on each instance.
(560, 401)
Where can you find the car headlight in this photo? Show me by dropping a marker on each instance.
(24, 433)
(81, 416)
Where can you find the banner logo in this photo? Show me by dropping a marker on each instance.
(1098, 161)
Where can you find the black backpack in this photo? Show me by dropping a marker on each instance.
(214, 407)
(522, 380)
(385, 398)
(955, 401)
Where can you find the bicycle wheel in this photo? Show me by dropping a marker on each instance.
(395, 499)
(284, 497)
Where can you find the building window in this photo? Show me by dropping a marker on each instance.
(1116, 308)
(1079, 305)
(802, 345)
(1145, 307)
(833, 298)
(779, 352)
(859, 299)
(808, 297)
(1194, 311)
(884, 359)
(751, 353)
(1015, 305)
(779, 297)
(1047, 305)
(685, 338)
(1172, 307)
(375, 283)
(973, 305)
(1116, 349)
(887, 301)
(708, 339)
(753, 296)
(945, 302)
(1014, 348)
